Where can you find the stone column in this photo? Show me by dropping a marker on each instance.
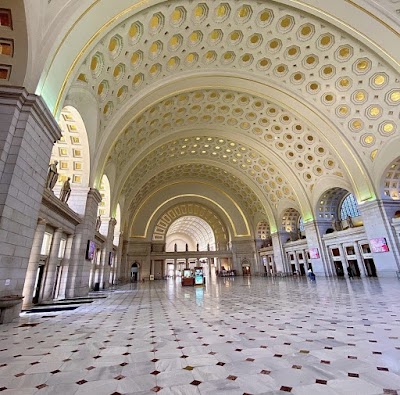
(79, 267)
(152, 267)
(28, 132)
(343, 259)
(296, 262)
(108, 248)
(320, 265)
(65, 266)
(101, 267)
(52, 263)
(377, 217)
(360, 260)
(118, 259)
(279, 257)
(33, 265)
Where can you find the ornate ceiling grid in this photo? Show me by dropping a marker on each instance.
(337, 77)
(340, 76)
(290, 220)
(243, 159)
(232, 185)
(270, 125)
(329, 203)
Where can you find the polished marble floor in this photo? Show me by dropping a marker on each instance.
(236, 336)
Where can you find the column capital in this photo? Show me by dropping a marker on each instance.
(31, 103)
(365, 206)
(41, 221)
(95, 194)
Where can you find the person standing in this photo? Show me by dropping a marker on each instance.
(349, 272)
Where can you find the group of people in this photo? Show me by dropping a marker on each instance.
(52, 177)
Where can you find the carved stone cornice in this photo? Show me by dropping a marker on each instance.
(34, 105)
(50, 201)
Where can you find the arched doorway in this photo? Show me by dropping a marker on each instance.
(135, 272)
(246, 268)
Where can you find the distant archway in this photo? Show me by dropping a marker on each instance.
(190, 230)
(390, 183)
(290, 223)
(192, 210)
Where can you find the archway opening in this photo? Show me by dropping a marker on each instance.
(190, 233)
(73, 158)
(263, 233)
(391, 181)
(290, 224)
(339, 208)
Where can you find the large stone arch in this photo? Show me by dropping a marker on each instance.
(350, 162)
(169, 216)
(86, 104)
(243, 192)
(145, 216)
(329, 202)
(73, 156)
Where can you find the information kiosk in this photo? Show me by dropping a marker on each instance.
(187, 277)
(198, 276)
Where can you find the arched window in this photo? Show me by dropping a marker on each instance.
(349, 207)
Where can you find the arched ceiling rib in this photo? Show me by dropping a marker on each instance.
(271, 126)
(257, 135)
(170, 221)
(205, 174)
(246, 161)
(216, 199)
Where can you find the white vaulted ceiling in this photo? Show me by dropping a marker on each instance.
(261, 100)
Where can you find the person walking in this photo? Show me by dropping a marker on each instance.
(349, 272)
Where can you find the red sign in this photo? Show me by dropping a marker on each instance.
(379, 245)
(314, 253)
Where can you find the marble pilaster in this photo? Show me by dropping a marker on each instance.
(28, 132)
(33, 265)
(79, 267)
(377, 217)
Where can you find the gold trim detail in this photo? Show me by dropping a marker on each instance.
(369, 13)
(86, 46)
(142, 2)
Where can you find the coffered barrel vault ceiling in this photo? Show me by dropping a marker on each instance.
(254, 141)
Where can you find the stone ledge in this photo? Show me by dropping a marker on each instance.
(50, 201)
